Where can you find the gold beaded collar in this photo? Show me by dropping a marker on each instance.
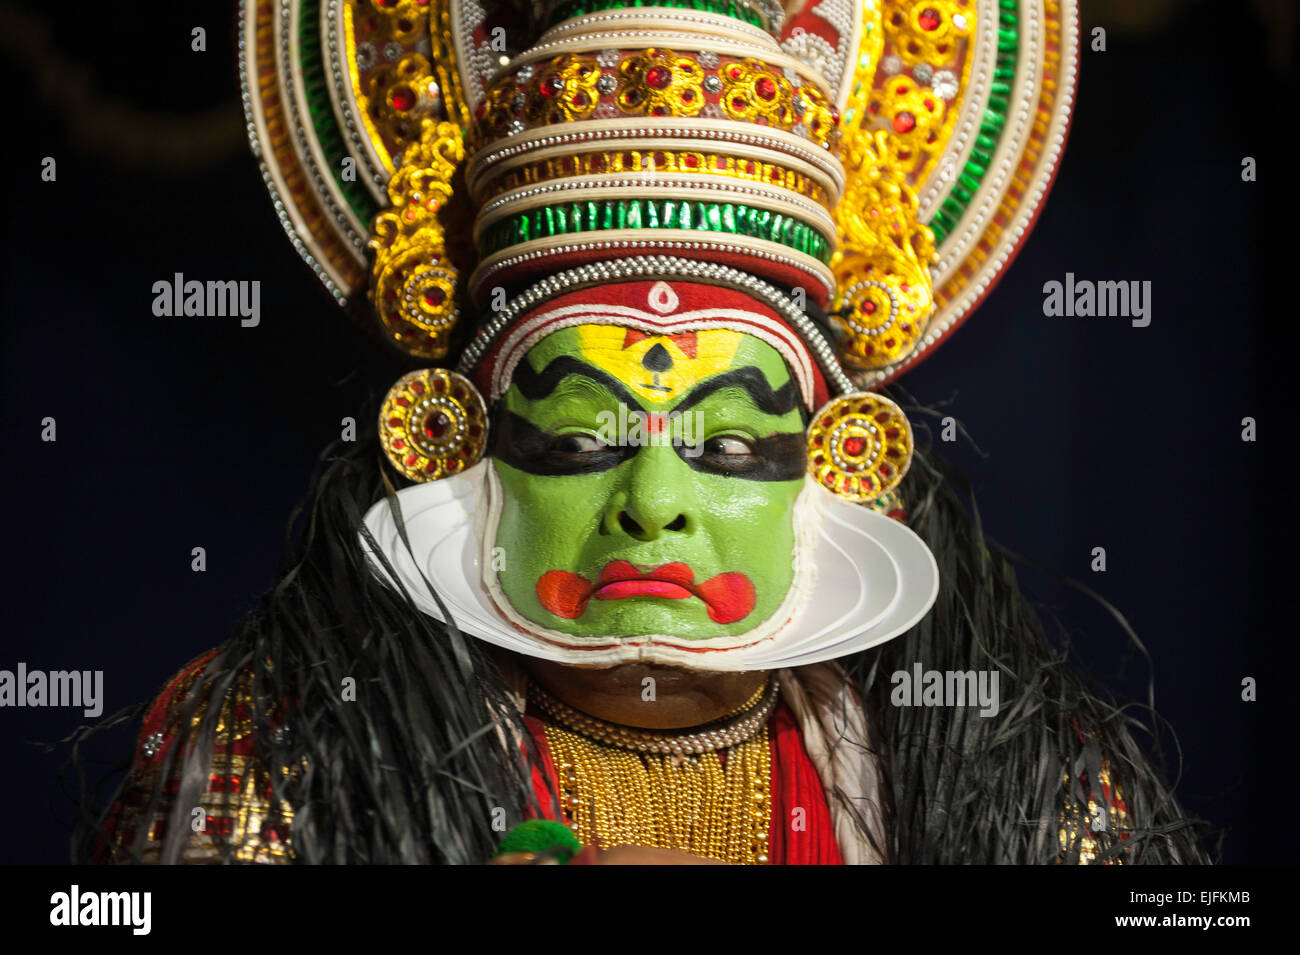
(720, 734)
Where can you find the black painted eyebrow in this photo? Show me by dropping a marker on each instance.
(754, 383)
(535, 385)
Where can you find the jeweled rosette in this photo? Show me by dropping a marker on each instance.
(859, 446)
(433, 423)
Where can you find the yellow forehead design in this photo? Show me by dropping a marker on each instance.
(658, 367)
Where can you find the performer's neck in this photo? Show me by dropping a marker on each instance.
(647, 695)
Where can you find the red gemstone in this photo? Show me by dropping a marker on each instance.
(737, 103)
(436, 425)
(658, 77)
(417, 387)
(904, 122)
(580, 99)
(868, 308)
(765, 88)
(434, 297)
(552, 86)
(439, 385)
(855, 446)
(403, 98)
(394, 422)
(929, 19)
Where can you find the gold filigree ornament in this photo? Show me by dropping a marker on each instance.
(413, 285)
(882, 266)
(859, 447)
(433, 424)
(660, 83)
(925, 31)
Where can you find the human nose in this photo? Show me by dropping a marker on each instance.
(659, 497)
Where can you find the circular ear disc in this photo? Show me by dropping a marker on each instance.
(433, 424)
(859, 446)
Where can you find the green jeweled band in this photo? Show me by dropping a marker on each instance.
(745, 12)
(953, 207)
(595, 216)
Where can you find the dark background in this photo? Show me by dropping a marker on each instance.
(176, 433)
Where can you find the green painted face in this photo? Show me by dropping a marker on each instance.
(649, 482)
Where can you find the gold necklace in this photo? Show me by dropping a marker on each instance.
(670, 789)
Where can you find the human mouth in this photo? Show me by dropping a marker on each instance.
(728, 597)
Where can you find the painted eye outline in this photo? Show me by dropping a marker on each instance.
(744, 440)
(748, 461)
(599, 444)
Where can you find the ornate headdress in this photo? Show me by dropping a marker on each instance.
(845, 179)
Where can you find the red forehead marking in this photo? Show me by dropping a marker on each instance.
(685, 341)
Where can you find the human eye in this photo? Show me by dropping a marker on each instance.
(728, 445)
(578, 452)
(577, 442)
(732, 453)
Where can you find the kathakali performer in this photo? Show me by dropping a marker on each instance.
(630, 566)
